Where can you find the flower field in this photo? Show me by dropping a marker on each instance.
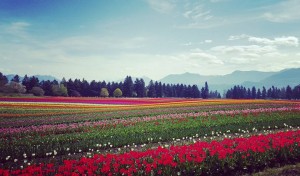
(149, 136)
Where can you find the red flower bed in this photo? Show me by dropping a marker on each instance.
(207, 158)
(117, 101)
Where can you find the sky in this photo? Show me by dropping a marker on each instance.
(109, 39)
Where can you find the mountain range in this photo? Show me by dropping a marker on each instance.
(246, 78)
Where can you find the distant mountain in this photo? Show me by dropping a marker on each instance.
(185, 78)
(280, 79)
(239, 77)
(40, 77)
(236, 77)
(246, 78)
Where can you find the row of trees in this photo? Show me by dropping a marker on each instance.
(240, 92)
(127, 88)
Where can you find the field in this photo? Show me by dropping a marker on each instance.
(149, 136)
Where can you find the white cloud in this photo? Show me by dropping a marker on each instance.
(162, 6)
(287, 41)
(285, 11)
(215, 1)
(202, 55)
(238, 37)
(207, 41)
(252, 49)
(275, 54)
(15, 29)
(250, 55)
(206, 57)
(19, 25)
(241, 60)
(198, 16)
(198, 13)
(187, 44)
(284, 40)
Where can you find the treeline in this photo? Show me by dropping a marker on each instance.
(127, 88)
(240, 92)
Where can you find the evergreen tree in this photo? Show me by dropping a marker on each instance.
(296, 92)
(158, 89)
(33, 82)
(289, 92)
(85, 88)
(16, 79)
(139, 87)
(195, 92)
(94, 88)
(282, 93)
(46, 86)
(269, 93)
(151, 90)
(3, 80)
(248, 93)
(264, 93)
(258, 94)
(205, 91)
(128, 87)
(229, 93)
(253, 93)
(25, 82)
(64, 82)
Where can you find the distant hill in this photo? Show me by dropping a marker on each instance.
(246, 78)
(279, 79)
(185, 78)
(40, 77)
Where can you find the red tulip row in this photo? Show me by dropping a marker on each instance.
(198, 158)
(116, 101)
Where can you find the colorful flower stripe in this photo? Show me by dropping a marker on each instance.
(42, 116)
(75, 108)
(179, 160)
(128, 101)
(106, 123)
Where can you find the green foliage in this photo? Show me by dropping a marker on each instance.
(3, 80)
(13, 87)
(117, 92)
(59, 90)
(104, 92)
(37, 91)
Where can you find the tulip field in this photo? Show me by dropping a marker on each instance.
(146, 136)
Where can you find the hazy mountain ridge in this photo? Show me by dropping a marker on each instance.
(279, 79)
(246, 78)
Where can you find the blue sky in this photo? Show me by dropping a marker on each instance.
(109, 39)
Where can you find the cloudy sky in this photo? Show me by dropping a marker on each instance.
(107, 40)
